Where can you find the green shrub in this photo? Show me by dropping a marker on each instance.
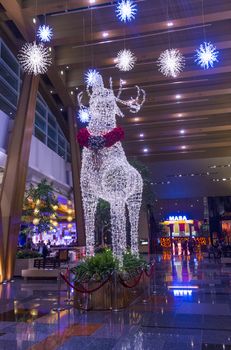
(101, 265)
(27, 254)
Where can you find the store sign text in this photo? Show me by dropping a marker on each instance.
(178, 218)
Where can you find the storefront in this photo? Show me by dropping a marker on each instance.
(180, 228)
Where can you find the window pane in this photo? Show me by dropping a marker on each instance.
(40, 135)
(10, 78)
(8, 93)
(9, 59)
(41, 109)
(40, 122)
(52, 133)
(51, 120)
(61, 152)
(5, 107)
(61, 141)
(51, 144)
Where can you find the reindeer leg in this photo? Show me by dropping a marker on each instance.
(118, 229)
(134, 204)
(89, 207)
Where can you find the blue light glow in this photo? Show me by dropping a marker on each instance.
(45, 33)
(84, 115)
(126, 10)
(206, 55)
(91, 77)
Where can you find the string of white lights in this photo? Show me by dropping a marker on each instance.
(106, 173)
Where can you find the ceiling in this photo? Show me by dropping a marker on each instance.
(195, 126)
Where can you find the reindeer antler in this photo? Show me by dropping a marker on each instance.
(134, 104)
(79, 99)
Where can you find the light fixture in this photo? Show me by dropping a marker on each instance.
(45, 33)
(171, 62)
(182, 131)
(67, 67)
(183, 147)
(34, 20)
(224, 179)
(126, 60)
(34, 58)
(105, 34)
(91, 1)
(123, 82)
(141, 135)
(61, 72)
(169, 24)
(84, 115)
(61, 109)
(136, 119)
(72, 92)
(126, 10)
(91, 77)
(206, 55)
(145, 150)
(51, 91)
(178, 97)
(179, 115)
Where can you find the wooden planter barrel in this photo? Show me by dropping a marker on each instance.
(111, 296)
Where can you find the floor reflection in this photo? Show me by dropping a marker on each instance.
(187, 306)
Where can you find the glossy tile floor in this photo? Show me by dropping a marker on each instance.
(188, 307)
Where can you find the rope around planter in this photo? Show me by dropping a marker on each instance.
(124, 284)
(135, 284)
(84, 290)
(151, 271)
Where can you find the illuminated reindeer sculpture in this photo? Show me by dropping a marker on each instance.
(105, 171)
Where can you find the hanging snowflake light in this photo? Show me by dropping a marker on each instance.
(125, 60)
(35, 58)
(206, 55)
(84, 115)
(45, 33)
(91, 77)
(126, 10)
(171, 63)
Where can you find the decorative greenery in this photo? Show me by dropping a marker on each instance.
(132, 263)
(39, 205)
(100, 266)
(96, 267)
(27, 254)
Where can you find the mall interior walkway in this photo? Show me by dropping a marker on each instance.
(188, 307)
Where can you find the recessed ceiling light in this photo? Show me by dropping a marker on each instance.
(61, 72)
(105, 34)
(123, 82)
(76, 88)
(224, 179)
(180, 115)
(51, 91)
(178, 96)
(169, 24)
(72, 92)
(141, 135)
(92, 1)
(136, 119)
(115, 60)
(145, 150)
(61, 109)
(183, 147)
(182, 131)
(67, 67)
(50, 48)
(34, 20)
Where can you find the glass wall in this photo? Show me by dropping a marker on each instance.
(46, 128)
